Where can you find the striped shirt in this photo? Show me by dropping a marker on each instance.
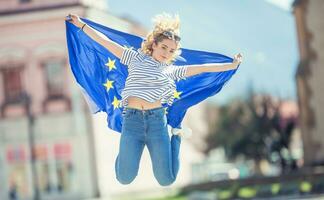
(149, 79)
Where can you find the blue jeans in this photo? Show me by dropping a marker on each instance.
(147, 127)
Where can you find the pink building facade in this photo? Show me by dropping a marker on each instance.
(72, 148)
(34, 65)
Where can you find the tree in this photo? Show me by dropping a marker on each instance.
(251, 128)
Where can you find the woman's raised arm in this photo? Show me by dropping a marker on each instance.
(112, 46)
(214, 67)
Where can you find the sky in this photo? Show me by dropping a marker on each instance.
(283, 4)
(262, 30)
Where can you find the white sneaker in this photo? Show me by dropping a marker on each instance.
(183, 132)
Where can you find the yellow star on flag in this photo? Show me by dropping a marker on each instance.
(111, 64)
(177, 94)
(115, 103)
(109, 85)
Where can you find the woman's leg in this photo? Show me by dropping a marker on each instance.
(130, 149)
(164, 153)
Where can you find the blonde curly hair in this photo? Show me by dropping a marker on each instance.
(162, 22)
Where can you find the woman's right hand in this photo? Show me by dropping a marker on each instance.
(75, 19)
(103, 40)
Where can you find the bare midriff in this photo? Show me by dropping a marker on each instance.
(138, 103)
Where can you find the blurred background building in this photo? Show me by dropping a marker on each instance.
(43, 111)
(309, 78)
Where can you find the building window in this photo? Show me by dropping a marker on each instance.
(54, 73)
(12, 84)
(64, 166)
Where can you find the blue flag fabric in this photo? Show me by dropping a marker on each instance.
(102, 77)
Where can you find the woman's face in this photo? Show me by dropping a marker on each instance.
(164, 50)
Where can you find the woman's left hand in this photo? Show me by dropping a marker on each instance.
(237, 59)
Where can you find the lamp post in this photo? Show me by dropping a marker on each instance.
(31, 141)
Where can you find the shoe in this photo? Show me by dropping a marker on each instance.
(183, 132)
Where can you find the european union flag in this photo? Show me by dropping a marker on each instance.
(102, 77)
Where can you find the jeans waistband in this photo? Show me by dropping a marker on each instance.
(149, 111)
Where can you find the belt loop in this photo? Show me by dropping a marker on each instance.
(142, 109)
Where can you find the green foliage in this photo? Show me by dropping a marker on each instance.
(305, 186)
(275, 188)
(247, 192)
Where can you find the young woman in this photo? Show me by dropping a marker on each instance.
(149, 84)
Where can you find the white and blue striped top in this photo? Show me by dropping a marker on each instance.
(149, 79)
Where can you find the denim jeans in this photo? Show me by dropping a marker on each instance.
(147, 127)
